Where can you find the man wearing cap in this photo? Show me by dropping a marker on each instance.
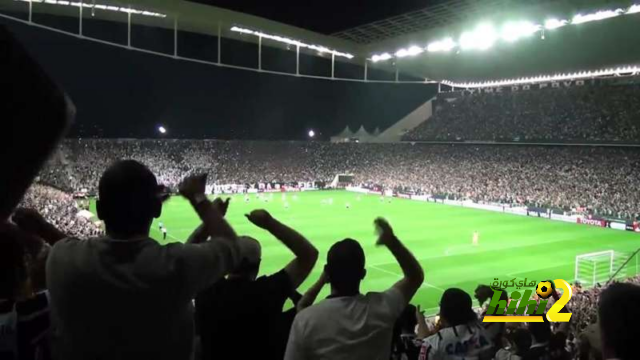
(348, 324)
(240, 317)
(461, 335)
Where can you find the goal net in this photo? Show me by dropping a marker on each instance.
(599, 267)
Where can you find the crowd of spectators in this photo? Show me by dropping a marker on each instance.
(61, 210)
(133, 281)
(601, 112)
(124, 296)
(603, 180)
(581, 337)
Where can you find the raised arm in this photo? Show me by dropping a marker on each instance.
(411, 269)
(310, 296)
(423, 328)
(192, 188)
(201, 233)
(207, 262)
(306, 254)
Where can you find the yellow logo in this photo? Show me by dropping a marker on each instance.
(544, 289)
(498, 311)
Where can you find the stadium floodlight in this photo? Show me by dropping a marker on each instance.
(98, 6)
(481, 38)
(633, 9)
(548, 78)
(442, 45)
(381, 57)
(162, 130)
(312, 133)
(513, 31)
(554, 24)
(289, 41)
(600, 15)
(412, 51)
(485, 36)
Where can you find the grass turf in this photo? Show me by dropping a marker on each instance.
(510, 246)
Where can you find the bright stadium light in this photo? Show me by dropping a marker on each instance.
(554, 24)
(600, 15)
(442, 45)
(481, 38)
(633, 9)
(162, 130)
(285, 40)
(93, 5)
(412, 51)
(484, 36)
(628, 70)
(513, 31)
(312, 133)
(381, 57)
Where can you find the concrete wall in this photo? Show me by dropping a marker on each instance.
(416, 117)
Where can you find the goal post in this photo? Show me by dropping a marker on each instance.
(594, 268)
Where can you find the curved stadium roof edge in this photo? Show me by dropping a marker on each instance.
(192, 17)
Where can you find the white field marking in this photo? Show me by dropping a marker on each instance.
(173, 237)
(424, 284)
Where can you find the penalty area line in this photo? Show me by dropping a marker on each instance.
(424, 284)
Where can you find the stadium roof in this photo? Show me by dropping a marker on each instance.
(193, 17)
(429, 18)
(579, 51)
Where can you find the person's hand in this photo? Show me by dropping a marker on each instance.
(260, 218)
(221, 205)
(420, 315)
(193, 185)
(28, 219)
(385, 232)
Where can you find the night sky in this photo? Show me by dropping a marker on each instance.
(323, 16)
(124, 93)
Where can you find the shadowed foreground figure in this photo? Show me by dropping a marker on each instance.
(124, 296)
(619, 314)
(348, 324)
(226, 309)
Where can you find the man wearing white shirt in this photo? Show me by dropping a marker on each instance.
(348, 324)
(124, 296)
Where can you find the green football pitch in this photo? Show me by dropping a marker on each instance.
(440, 236)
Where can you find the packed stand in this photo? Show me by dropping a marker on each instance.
(601, 112)
(602, 180)
(61, 210)
(123, 296)
(125, 271)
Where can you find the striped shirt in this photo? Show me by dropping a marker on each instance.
(469, 341)
(24, 328)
